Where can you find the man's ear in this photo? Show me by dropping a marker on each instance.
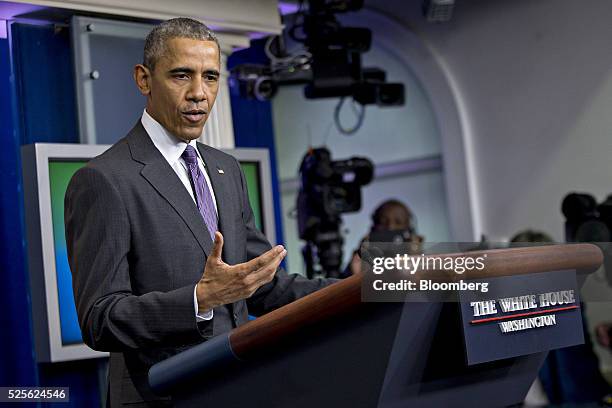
(142, 77)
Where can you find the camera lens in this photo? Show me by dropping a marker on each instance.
(265, 88)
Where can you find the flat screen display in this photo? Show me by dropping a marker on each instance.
(252, 176)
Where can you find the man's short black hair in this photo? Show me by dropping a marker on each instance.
(182, 27)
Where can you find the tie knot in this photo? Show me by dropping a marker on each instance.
(190, 156)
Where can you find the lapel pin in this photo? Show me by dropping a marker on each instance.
(220, 171)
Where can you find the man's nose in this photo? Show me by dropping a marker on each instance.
(196, 90)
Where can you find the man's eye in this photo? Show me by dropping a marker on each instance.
(211, 77)
(181, 76)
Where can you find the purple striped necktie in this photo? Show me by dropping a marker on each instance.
(201, 190)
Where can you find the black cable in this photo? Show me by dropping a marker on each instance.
(355, 128)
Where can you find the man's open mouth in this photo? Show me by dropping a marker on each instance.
(194, 115)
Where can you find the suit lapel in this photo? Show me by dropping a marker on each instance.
(162, 177)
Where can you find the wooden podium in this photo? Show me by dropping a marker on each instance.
(329, 349)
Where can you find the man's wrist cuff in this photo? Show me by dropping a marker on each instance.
(207, 315)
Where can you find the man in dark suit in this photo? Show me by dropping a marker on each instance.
(161, 238)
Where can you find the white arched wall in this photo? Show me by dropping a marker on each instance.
(452, 120)
(533, 86)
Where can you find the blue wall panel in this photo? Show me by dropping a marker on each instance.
(17, 365)
(37, 106)
(253, 126)
(45, 83)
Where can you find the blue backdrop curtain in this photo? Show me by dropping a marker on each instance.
(17, 366)
(37, 100)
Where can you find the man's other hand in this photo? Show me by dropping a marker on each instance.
(222, 284)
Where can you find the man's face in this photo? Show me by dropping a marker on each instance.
(182, 88)
(393, 217)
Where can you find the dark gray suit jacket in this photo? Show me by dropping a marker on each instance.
(137, 246)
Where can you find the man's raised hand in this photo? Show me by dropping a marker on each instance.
(222, 284)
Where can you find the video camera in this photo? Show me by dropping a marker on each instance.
(329, 65)
(328, 189)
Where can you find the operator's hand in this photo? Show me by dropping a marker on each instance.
(222, 284)
(602, 332)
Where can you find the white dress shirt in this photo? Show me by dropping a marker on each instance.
(172, 148)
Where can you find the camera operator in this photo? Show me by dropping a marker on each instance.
(391, 219)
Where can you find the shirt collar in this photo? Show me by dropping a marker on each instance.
(170, 146)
